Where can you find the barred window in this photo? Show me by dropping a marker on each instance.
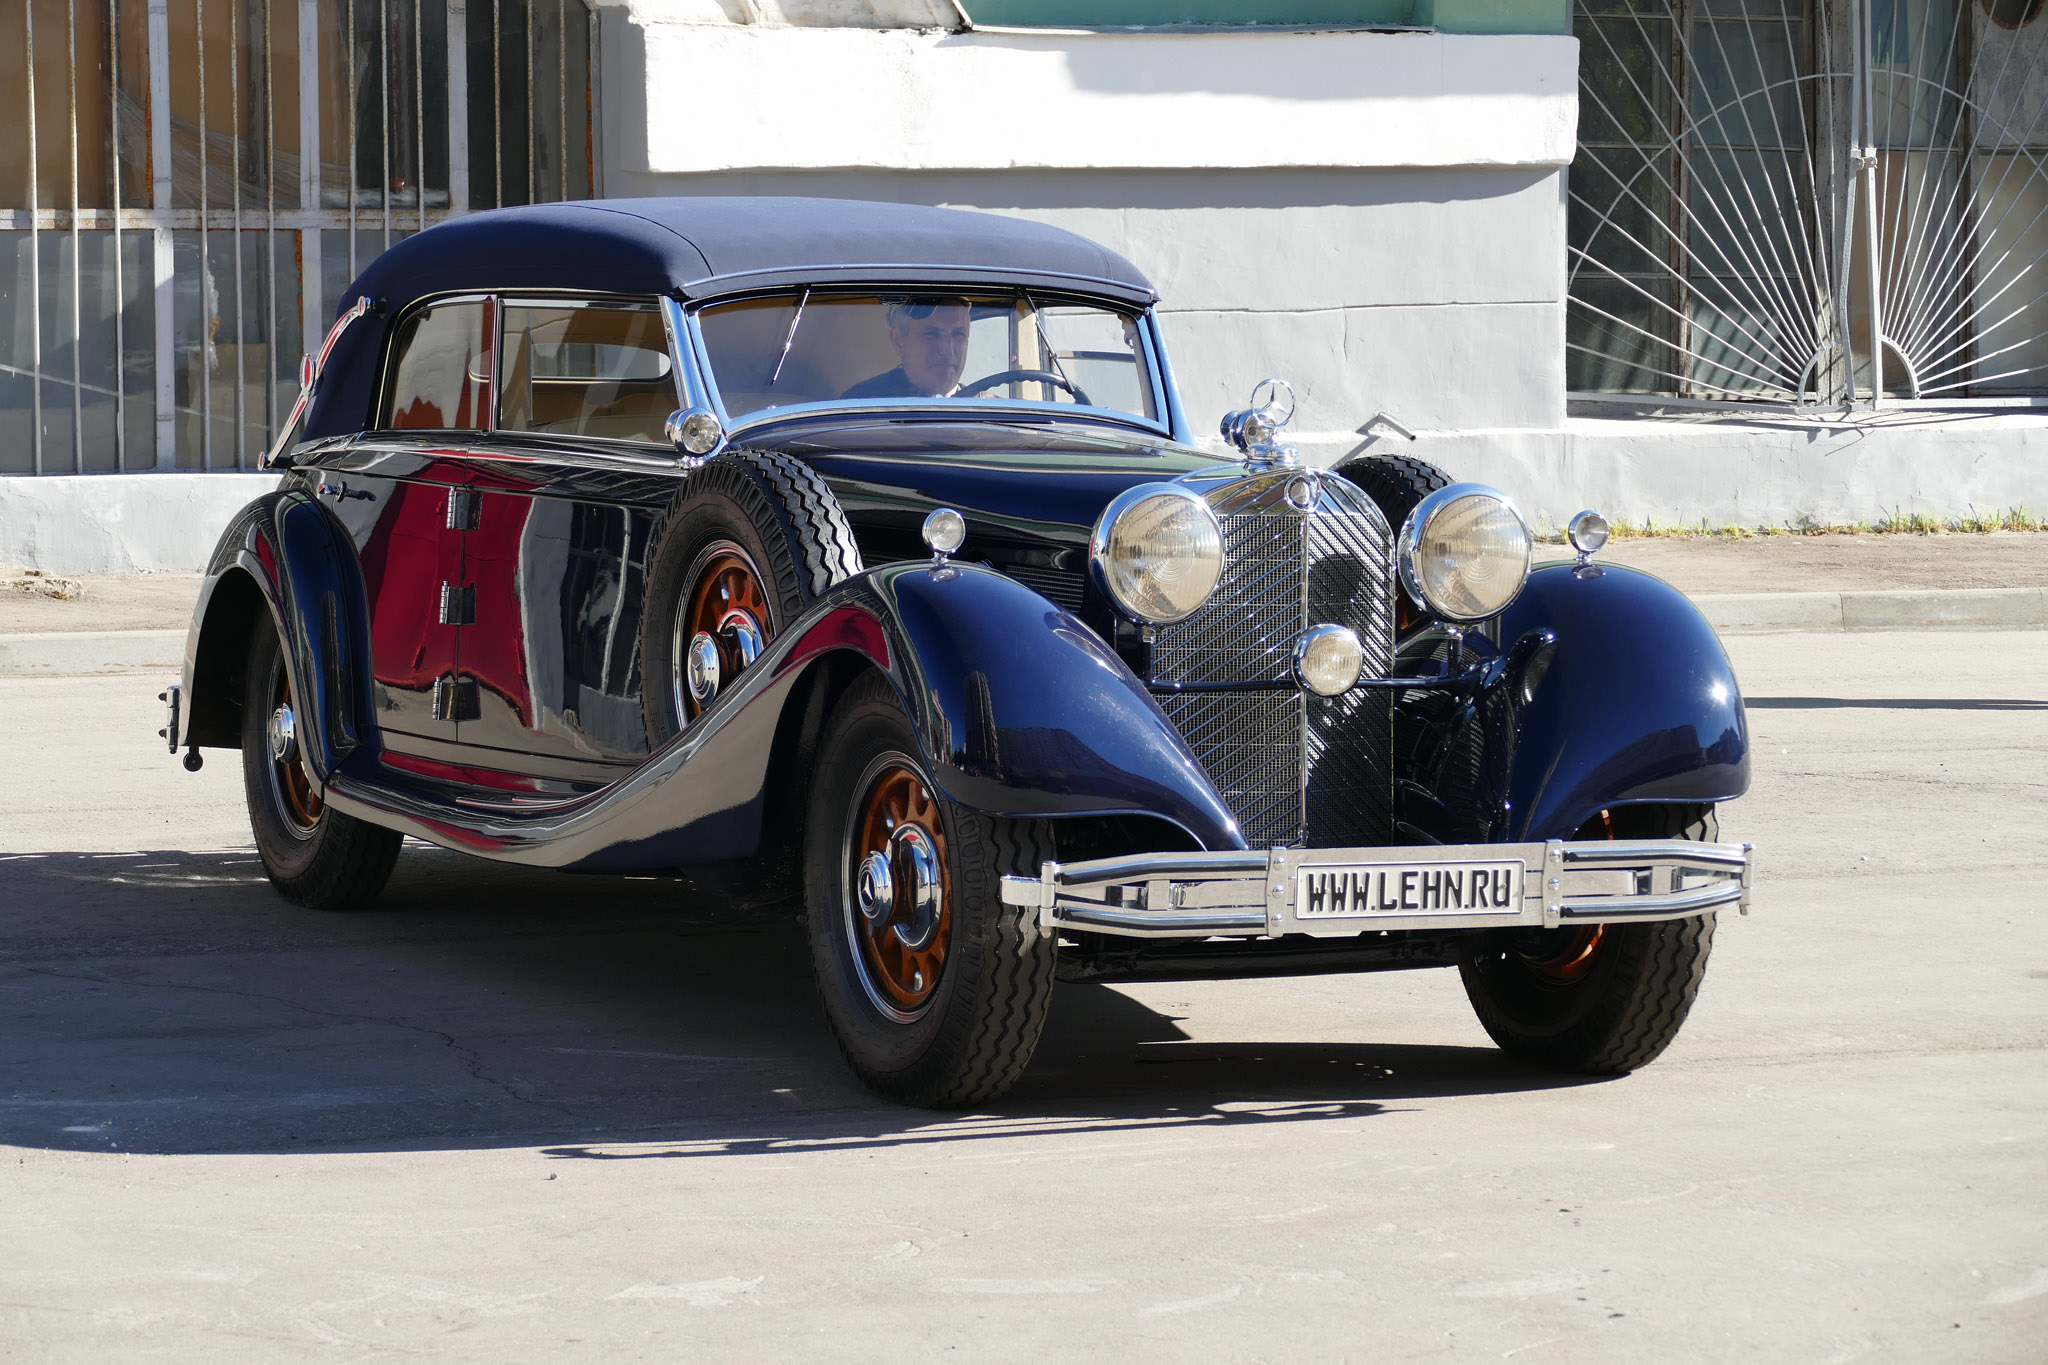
(1810, 202)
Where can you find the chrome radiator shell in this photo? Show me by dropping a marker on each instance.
(1301, 547)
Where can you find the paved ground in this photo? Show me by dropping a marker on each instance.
(1838, 563)
(510, 1116)
(1697, 564)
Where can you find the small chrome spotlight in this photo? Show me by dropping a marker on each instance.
(1588, 532)
(696, 434)
(944, 531)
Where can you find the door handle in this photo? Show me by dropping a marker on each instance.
(341, 492)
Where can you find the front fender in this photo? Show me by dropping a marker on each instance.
(283, 564)
(1638, 704)
(1024, 712)
(1019, 711)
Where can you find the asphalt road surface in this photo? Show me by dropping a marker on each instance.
(516, 1116)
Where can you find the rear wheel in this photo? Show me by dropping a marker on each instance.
(936, 990)
(1600, 998)
(313, 854)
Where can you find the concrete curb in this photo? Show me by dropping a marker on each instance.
(56, 654)
(1907, 609)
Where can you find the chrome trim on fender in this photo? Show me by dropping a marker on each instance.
(1260, 894)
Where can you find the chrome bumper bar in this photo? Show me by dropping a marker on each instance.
(1344, 892)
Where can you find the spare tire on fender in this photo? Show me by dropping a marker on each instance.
(752, 539)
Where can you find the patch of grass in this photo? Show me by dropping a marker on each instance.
(1896, 522)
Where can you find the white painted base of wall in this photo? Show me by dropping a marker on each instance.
(120, 523)
(1747, 473)
(1672, 473)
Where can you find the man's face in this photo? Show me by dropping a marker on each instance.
(933, 349)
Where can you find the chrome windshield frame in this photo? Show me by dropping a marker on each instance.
(1167, 422)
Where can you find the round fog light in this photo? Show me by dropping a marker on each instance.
(1328, 660)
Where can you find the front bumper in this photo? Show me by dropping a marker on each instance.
(1344, 892)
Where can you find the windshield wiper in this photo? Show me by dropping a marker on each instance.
(1046, 341)
(795, 321)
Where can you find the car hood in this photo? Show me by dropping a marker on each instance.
(1019, 485)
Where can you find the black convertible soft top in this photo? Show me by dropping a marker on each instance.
(697, 248)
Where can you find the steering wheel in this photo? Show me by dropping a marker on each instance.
(1023, 376)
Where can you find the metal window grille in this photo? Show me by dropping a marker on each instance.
(192, 184)
(1811, 203)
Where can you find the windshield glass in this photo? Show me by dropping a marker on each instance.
(1010, 345)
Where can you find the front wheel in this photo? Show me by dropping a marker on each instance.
(313, 854)
(935, 989)
(1602, 998)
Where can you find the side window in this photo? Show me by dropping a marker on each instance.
(442, 378)
(601, 370)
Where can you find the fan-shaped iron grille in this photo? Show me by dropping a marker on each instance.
(1811, 202)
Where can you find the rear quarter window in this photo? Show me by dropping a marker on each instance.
(442, 369)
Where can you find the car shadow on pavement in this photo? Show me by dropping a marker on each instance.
(171, 1002)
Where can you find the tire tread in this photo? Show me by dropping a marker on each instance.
(1645, 1001)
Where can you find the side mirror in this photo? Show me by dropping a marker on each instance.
(696, 433)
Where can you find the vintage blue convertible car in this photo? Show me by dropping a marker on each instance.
(863, 551)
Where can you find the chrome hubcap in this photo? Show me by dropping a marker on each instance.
(284, 735)
(722, 624)
(877, 886)
(744, 637)
(702, 668)
(911, 850)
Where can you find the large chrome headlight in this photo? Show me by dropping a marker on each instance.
(1158, 552)
(1465, 552)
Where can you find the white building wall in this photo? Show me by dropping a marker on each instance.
(1376, 217)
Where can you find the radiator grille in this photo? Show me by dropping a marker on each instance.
(1296, 770)
(1061, 587)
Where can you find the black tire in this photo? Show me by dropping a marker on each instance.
(1628, 988)
(775, 510)
(972, 1034)
(1395, 483)
(313, 854)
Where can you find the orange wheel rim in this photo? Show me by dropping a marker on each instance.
(302, 806)
(901, 939)
(726, 601)
(1574, 960)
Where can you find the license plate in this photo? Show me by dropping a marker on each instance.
(1370, 890)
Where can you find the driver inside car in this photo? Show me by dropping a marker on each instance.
(929, 336)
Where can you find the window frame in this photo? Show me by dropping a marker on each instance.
(1166, 408)
(682, 369)
(387, 379)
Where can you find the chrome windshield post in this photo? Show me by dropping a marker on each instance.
(309, 379)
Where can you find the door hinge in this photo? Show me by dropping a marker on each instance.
(455, 699)
(458, 604)
(463, 508)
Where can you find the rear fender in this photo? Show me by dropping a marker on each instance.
(1638, 704)
(283, 564)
